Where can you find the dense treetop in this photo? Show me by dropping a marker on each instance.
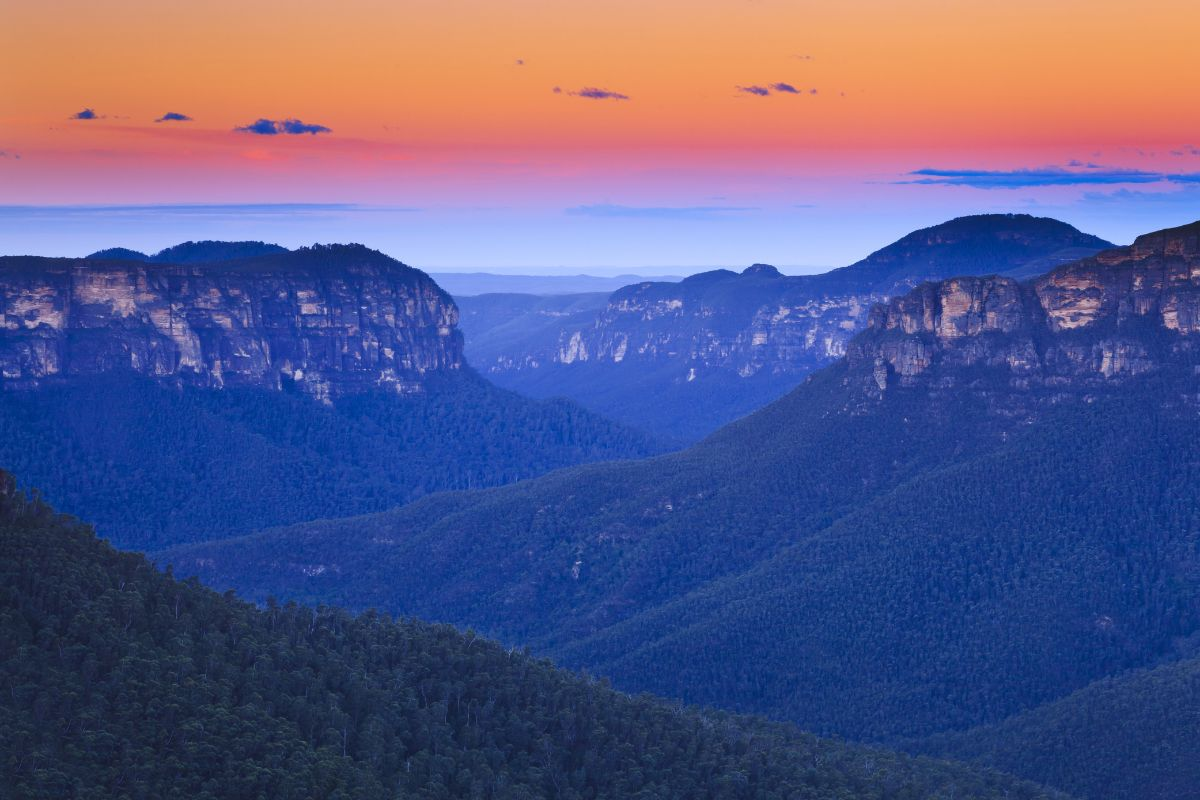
(152, 465)
(123, 682)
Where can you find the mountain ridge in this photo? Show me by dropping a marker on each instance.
(1085, 742)
(719, 344)
(122, 679)
(326, 320)
(202, 252)
(232, 395)
(1021, 538)
(1112, 295)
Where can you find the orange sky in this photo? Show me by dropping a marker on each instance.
(426, 100)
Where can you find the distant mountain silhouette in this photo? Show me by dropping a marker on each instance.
(987, 506)
(193, 252)
(681, 359)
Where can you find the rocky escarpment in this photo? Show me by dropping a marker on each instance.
(326, 320)
(761, 322)
(1124, 312)
(682, 358)
(745, 323)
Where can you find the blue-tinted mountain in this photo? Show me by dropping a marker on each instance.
(985, 244)
(988, 505)
(1130, 737)
(118, 254)
(326, 320)
(121, 681)
(683, 358)
(224, 397)
(204, 252)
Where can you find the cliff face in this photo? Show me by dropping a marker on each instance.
(762, 322)
(683, 358)
(327, 320)
(1123, 312)
(758, 320)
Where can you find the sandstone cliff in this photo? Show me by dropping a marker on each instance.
(746, 323)
(325, 320)
(683, 358)
(760, 321)
(1122, 312)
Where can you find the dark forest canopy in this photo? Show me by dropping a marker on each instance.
(123, 682)
(153, 465)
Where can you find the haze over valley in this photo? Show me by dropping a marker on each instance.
(599, 401)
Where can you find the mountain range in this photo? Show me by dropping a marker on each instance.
(973, 535)
(170, 402)
(121, 681)
(680, 359)
(962, 529)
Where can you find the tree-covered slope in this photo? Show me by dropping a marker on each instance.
(968, 594)
(1132, 737)
(988, 505)
(153, 465)
(982, 244)
(121, 681)
(204, 252)
(577, 550)
(883, 576)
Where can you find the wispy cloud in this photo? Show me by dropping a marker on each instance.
(174, 116)
(1186, 195)
(1091, 174)
(656, 212)
(592, 93)
(6, 154)
(779, 86)
(87, 113)
(270, 127)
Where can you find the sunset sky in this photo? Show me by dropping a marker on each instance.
(536, 136)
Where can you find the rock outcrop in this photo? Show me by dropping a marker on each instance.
(683, 358)
(325, 320)
(745, 323)
(762, 322)
(1120, 313)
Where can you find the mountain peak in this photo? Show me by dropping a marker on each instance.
(203, 252)
(117, 254)
(981, 244)
(761, 269)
